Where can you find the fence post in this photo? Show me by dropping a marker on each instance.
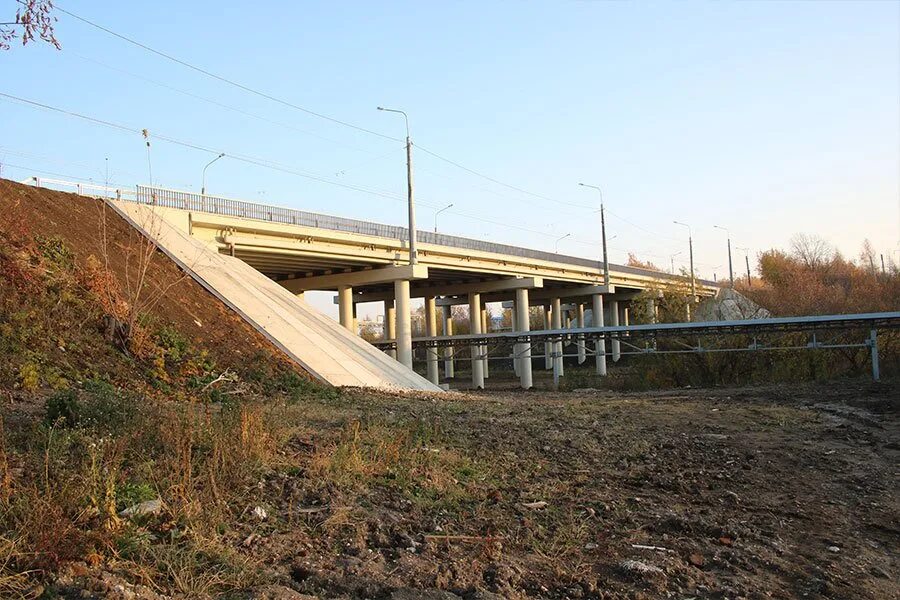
(873, 346)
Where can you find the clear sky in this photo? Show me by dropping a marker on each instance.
(769, 118)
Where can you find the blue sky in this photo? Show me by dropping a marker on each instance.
(768, 118)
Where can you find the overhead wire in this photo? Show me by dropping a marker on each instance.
(295, 106)
(225, 80)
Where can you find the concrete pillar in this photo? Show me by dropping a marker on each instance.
(523, 350)
(475, 328)
(556, 315)
(431, 331)
(651, 310)
(485, 328)
(579, 319)
(390, 325)
(614, 322)
(447, 313)
(355, 328)
(548, 347)
(345, 306)
(515, 327)
(404, 322)
(599, 345)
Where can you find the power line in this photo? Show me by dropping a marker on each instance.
(265, 163)
(498, 182)
(309, 111)
(216, 102)
(235, 156)
(225, 79)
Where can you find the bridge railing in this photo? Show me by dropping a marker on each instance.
(275, 214)
(219, 205)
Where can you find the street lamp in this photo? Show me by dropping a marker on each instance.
(672, 262)
(728, 235)
(602, 233)
(439, 212)
(559, 240)
(203, 186)
(747, 261)
(691, 253)
(413, 255)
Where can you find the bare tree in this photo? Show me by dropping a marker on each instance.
(34, 20)
(812, 250)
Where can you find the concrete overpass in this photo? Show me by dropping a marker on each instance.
(369, 262)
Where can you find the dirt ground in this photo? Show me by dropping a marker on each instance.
(187, 306)
(771, 492)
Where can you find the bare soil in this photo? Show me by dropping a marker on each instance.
(771, 492)
(187, 306)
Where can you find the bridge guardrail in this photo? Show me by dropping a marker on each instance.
(219, 205)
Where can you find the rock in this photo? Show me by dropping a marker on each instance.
(414, 594)
(150, 507)
(728, 305)
(641, 568)
(834, 549)
(260, 513)
(277, 592)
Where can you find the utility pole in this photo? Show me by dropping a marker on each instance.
(747, 261)
(413, 254)
(882, 265)
(602, 234)
(691, 254)
(730, 270)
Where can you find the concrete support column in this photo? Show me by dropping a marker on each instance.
(404, 322)
(614, 322)
(548, 347)
(447, 314)
(485, 328)
(390, 325)
(345, 306)
(523, 350)
(579, 319)
(556, 315)
(651, 310)
(475, 328)
(515, 327)
(431, 331)
(599, 345)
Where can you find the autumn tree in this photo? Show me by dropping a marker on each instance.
(34, 21)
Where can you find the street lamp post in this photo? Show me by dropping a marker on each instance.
(439, 212)
(559, 240)
(203, 185)
(691, 254)
(672, 262)
(602, 233)
(728, 235)
(413, 254)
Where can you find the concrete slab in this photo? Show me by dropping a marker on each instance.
(320, 345)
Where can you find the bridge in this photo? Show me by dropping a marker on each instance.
(369, 262)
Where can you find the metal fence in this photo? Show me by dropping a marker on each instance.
(218, 205)
(251, 210)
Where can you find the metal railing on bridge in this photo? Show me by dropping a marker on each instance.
(219, 205)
